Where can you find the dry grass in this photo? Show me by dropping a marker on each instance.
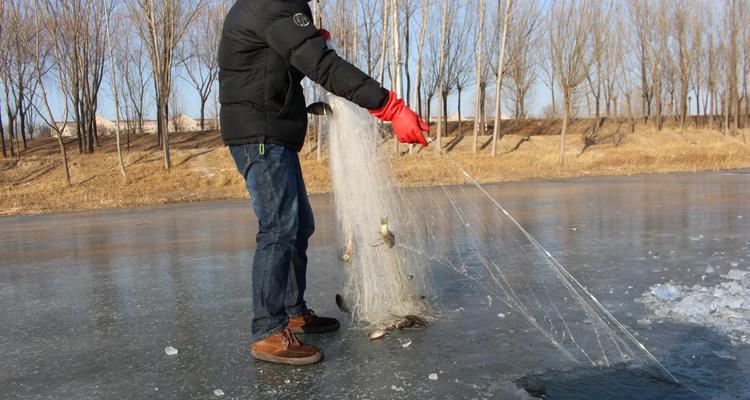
(203, 170)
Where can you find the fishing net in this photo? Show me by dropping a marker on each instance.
(383, 283)
(464, 229)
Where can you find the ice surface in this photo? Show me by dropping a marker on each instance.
(170, 351)
(724, 307)
(666, 291)
(735, 274)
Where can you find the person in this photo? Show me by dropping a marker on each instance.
(267, 47)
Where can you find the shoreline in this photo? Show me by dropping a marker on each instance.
(157, 206)
(204, 171)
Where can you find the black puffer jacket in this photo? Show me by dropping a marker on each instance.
(267, 47)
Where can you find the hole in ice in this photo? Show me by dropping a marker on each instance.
(615, 383)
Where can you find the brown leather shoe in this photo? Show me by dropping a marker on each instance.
(284, 348)
(310, 322)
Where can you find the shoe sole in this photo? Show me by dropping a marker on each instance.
(331, 328)
(314, 359)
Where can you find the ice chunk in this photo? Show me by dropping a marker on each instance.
(433, 376)
(170, 351)
(666, 291)
(734, 264)
(406, 344)
(724, 307)
(218, 392)
(724, 355)
(693, 307)
(501, 315)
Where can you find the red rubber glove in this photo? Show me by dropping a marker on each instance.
(325, 34)
(406, 123)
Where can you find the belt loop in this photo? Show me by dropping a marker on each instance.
(262, 149)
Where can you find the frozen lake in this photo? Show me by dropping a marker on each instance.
(89, 301)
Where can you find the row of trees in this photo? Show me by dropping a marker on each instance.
(58, 55)
(646, 59)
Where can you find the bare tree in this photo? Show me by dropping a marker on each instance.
(396, 59)
(681, 20)
(81, 31)
(600, 24)
(479, 50)
(523, 40)
(15, 72)
(697, 54)
(499, 76)
(642, 24)
(731, 58)
(198, 54)
(445, 18)
(371, 20)
(48, 50)
(133, 69)
(108, 13)
(457, 72)
(162, 25)
(420, 56)
(570, 57)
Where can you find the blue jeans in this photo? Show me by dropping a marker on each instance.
(273, 177)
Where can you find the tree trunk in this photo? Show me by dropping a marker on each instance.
(428, 109)
(725, 106)
(64, 156)
(499, 81)
(443, 107)
(630, 113)
(203, 115)
(420, 53)
(566, 112)
(11, 129)
(460, 131)
(697, 105)
(479, 51)
(442, 119)
(120, 162)
(554, 106)
(164, 123)
(319, 131)
(396, 60)
(22, 116)
(407, 34)
(384, 42)
(2, 136)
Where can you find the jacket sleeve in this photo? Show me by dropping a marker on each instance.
(287, 28)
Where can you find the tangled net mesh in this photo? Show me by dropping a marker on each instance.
(462, 228)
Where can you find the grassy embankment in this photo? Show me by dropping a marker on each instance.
(203, 170)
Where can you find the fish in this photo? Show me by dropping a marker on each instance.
(342, 304)
(346, 255)
(404, 323)
(320, 108)
(377, 334)
(416, 321)
(385, 233)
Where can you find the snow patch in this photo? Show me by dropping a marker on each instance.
(724, 307)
